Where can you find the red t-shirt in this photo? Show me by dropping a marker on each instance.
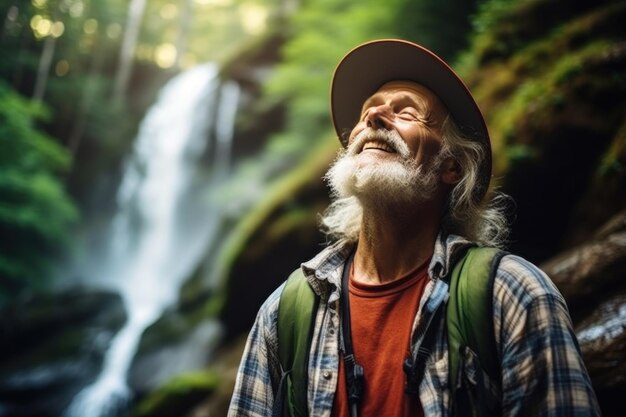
(381, 319)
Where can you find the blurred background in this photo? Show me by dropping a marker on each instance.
(161, 164)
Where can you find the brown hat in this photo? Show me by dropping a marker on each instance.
(368, 66)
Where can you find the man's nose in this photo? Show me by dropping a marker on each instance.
(379, 117)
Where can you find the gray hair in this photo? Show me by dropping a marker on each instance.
(483, 221)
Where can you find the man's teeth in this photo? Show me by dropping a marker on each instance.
(378, 145)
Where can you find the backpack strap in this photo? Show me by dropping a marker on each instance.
(471, 334)
(296, 314)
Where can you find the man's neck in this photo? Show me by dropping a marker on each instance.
(393, 242)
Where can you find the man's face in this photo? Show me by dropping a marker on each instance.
(392, 151)
(408, 108)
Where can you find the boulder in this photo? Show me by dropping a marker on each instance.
(586, 273)
(172, 346)
(51, 346)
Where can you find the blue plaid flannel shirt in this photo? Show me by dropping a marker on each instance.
(542, 370)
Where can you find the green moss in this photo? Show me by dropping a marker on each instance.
(542, 103)
(520, 153)
(569, 37)
(286, 225)
(213, 307)
(178, 396)
(505, 27)
(614, 161)
(535, 77)
(535, 55)
(289, 221)
(170, 328)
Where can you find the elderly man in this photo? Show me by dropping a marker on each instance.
(410, 196)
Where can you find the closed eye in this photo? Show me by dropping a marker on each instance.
(412, 114)
(408, 114)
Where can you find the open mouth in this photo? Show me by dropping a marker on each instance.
(378, 145)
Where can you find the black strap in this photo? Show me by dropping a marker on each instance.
(280, 408)
(354, 371)
(415, 366)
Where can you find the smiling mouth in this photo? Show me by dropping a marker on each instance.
(378, 145)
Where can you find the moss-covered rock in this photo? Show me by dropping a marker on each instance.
(175, 344)
(273, 239)
(52, 345)
(179, 395)
(554, 103)
(202, 393)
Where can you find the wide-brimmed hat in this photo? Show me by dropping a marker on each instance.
(368, 66)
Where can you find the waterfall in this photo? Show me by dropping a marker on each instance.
(165, 219)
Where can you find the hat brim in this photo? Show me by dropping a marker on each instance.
(368, 66)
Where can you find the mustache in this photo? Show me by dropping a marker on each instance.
(390, 137)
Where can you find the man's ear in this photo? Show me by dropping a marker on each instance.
(451, 171)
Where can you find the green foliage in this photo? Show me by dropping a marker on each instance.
(440, 25)
(310, 56)
(35, 211)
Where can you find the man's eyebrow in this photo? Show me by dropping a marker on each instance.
(368, 103)
(404, 99)
(414, 100)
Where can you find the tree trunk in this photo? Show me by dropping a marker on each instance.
(45, 62)
(129, 44)
(183, 30)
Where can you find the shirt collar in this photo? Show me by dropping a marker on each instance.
(447, 246)
(324, 271)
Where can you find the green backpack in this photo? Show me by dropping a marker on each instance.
(469, 319)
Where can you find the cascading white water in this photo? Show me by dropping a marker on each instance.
(164, 221)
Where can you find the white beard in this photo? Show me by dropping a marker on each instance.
(399, 180)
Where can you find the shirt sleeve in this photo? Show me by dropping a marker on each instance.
(543, 373)
(259, 370)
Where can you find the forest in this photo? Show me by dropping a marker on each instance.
(161, 167)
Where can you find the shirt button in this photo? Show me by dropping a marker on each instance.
(326, 374)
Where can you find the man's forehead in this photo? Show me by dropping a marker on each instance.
(421, 93)
(407, 87)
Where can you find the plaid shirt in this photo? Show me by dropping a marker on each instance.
(542, 370)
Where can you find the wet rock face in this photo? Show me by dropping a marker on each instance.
(51, 346)
(172, 346)
(602, 338)
(589, 272)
